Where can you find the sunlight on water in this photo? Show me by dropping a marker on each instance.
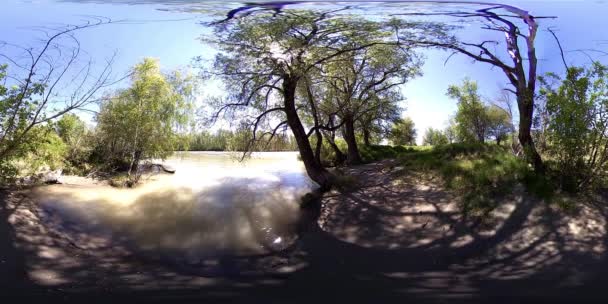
(212, 204)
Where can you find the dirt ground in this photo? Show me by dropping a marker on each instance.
(396, 236)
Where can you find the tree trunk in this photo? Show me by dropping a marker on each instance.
(313, 108)
(352, 156)
(525, 104)
(314, 169)
(318, 146)
(366, 137)
(134, 166)
(340, 158)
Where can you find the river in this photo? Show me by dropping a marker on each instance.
(212, 204)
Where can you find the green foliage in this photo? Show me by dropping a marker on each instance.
(228, 140)
(143, 121)
(499, 123)
(451, 131)
(379, 152)
(24, 148)
(475, 121)
(471, 117)
(78, 139)
(403, 133)
(50, 149)
(434, 137)
(17, 107)
(43, 150)
(479, 172)
(577, 123)
(346, 182)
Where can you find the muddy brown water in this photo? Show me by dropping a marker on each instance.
(212, 204)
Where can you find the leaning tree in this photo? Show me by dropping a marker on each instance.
(518, 26)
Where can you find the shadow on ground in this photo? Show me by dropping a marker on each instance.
(397, 237)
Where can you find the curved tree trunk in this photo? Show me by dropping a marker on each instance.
(314, 169)
(352, 155)
(313, 108)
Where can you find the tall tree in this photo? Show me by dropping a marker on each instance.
(521, 73)
(143, 120)
(471, 117)
(365, 85)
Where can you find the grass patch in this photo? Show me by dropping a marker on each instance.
(346, 182)
(479, 172)
(379, 152)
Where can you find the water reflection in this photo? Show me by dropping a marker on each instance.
(211, 205)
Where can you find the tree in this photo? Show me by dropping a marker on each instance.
(365, 86)
(28, 94)
(505, 102)
(143, 120)
(577, 123)
(434, 137)
(451, 131)
(471, 117)
(403, 132)
(499, 123)
(265, 57)
(73, 131)
(521, 73)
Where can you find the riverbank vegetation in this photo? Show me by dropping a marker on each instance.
(143, 121)
(384, 203)
(229, 140)
(325, 85)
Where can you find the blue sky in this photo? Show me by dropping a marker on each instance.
(172, 37)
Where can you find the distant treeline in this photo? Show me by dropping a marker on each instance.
(228, 140)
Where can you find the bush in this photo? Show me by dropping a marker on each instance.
(41, 150)
(576, 127)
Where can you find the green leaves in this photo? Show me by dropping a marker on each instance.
(577, 124)
(475, 121)
(145, 119)
(433, 137)
(403, 133)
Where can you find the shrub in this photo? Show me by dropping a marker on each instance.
(576, 126)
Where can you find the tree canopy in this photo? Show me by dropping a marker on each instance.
(309, 67)
(143, 120)
(403, 132)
